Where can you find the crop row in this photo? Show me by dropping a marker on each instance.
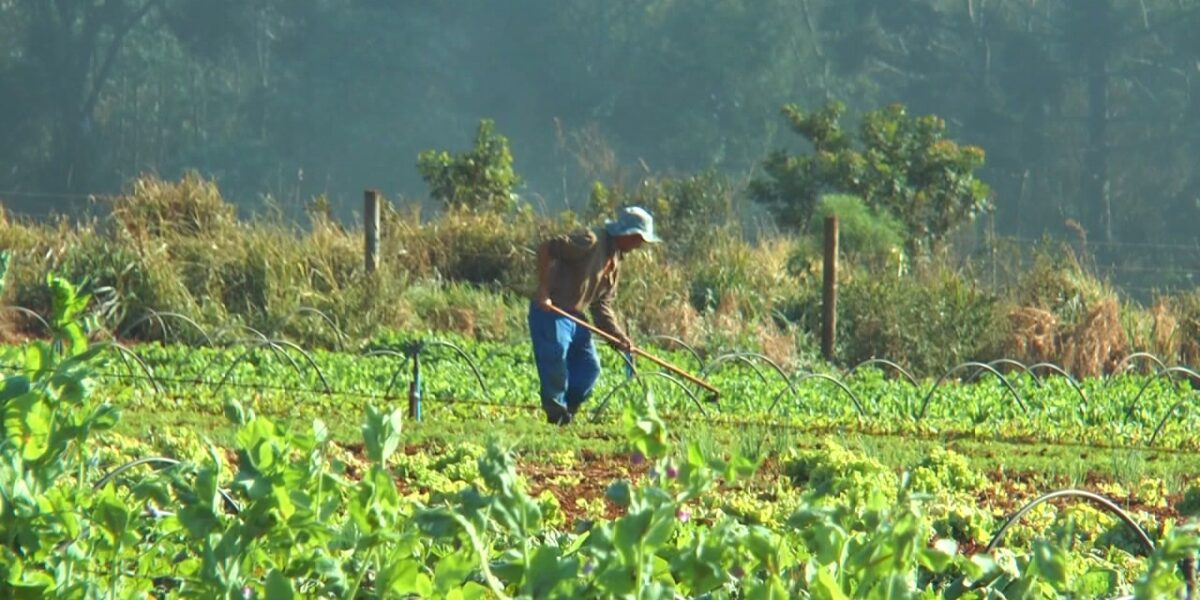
(1002, 400)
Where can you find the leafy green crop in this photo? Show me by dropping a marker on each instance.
(1122, 410)
(284, 512)
(52, 526)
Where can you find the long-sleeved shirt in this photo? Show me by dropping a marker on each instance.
(584, 268)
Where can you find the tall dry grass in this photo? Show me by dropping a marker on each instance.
(177, 246)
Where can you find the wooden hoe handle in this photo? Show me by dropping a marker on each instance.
(634, 349)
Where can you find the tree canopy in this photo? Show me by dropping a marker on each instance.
(1085, 108)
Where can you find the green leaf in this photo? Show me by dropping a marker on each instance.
(620, 493)
(402, 576)
(320, 431)
(62, 299)
(630, 531)
(283, 501)
(12, 387)
(105, 417)
(695, 457)
(661, 527)
(76, 338)
(263, 456)
(27, 422)
(67, 306)
(279, 587)
(978, 567)
(74, 386)
(825, 587)
(940, 556)
(381, 433)
(38, 360)
(330, 570)
(827, 542)
(761, 543)
(234, 411)
(547, 571)
(198, 520)
(771, 589)
(700, 568)
(452, 569)
(646, 431)
(617, 579)
(658, 591)
(498, 470)
(111, 513)
(740, 467)
(1051, 563)
(474, 591)
(31, 584)
(437, 523)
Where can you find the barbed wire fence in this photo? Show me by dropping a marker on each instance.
(1139, 271)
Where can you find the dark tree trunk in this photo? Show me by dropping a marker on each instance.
(76, 43)
(1092, 38)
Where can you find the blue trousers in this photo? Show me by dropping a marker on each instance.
(567, 363)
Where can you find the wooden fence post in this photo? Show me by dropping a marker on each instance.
(371, 218)
(829, 305)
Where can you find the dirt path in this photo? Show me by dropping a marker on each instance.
(596, 473)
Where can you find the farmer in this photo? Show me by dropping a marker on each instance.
(575, 272)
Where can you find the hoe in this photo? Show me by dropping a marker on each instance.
(715, 393)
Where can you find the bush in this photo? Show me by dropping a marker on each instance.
(1059, 283)
(1185, 335)
(467, 311)
(481, 179)
(1062, 314)
(106, 264)
(193, 206)
(4, 258)
(864, 235)
(126, 283)
(731, 271)
(929, 324)
(689, 212)
(482, 249)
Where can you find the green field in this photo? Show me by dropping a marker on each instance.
(300, 473)
(267, 267)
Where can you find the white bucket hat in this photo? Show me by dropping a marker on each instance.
(633, 220)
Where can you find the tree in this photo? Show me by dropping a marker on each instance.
(481, 179)
(71, 48)
(905, 167)
(1082, 104)
(79, 70)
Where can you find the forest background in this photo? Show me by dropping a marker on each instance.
(1071, 120)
